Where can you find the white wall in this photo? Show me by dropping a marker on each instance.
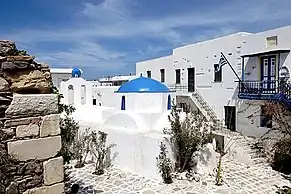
(137, 154)
(144, 102)
(105, 95)
(77, 84)
(154, 66)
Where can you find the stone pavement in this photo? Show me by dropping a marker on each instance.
(238, 179)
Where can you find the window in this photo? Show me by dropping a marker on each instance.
(71, 95)
(94, 101)
(265, 119)
(217, 73)
(83, 94)
(149, 74)
(272, 41)
(178, 76)
(162, 75)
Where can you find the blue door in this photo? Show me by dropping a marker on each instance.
(123, 103)
(169, 106)
(268, 73)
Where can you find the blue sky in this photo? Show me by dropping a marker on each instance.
(107, 37)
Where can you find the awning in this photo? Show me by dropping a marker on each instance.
(267, 52)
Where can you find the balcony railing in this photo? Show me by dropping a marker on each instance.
(264, 90)
(178, 87)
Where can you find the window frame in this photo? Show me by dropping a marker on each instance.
(178, 75)
(162, 72)
(218, 74)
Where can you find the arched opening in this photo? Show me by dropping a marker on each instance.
(123, 103)
(71, 94)
(83, 94)
(169, 102)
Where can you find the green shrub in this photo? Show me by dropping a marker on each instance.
(187, 137)
(69, 128)
(100, 151)
(164, 164)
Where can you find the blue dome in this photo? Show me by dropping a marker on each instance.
(143, 85)
(76, 72)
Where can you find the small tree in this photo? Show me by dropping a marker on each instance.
(187, 137)
(164, 164)
(100, 151)
(281, 116)
(69, 128)
(82, 148)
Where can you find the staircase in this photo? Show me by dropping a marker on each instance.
(204, 107)
(235, 140)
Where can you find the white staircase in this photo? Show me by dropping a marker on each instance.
(235, 140)
(204, 107)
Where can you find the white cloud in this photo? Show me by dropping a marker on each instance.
(114, 19)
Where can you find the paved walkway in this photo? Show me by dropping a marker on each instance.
(238, 179)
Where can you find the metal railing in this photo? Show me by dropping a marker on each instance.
(178, 87)
(269, 87)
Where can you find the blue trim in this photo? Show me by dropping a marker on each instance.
(169, 107)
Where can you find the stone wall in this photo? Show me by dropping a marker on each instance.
(29, 126)
(20, 73)
(31, 136)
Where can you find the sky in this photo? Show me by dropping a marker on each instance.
(107, 37)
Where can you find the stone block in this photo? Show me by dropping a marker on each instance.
(32, 105)
(4, 85)
(53, 171)
(27, 130)
(54, 189)
(22, 121)
(42, 148)
(50, 125)
(20, 58)
(7, 65)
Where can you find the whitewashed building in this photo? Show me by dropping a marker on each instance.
(133, 115)
(59, 75)
(193, 71)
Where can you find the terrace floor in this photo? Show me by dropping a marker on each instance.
(238, 179)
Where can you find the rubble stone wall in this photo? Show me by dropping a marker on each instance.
(29, 126)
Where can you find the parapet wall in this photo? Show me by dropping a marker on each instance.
(31, 136)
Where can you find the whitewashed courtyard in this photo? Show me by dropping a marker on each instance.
(238, 179)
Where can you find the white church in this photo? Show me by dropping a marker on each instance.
(226, 78)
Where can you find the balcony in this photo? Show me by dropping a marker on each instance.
(273, 90)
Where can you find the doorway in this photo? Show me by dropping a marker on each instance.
(268, 73)
(230, 117)
(191, 79)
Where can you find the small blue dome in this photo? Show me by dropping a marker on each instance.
(143, 85)
(76, 72)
